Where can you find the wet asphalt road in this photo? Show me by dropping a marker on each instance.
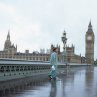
(76, 82)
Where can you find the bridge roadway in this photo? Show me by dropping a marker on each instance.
(15, 75)
(74, 82)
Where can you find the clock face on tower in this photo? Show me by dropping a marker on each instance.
(89, 37)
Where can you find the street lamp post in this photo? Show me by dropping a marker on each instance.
(64, 40)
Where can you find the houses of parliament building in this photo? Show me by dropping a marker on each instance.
(10, 51)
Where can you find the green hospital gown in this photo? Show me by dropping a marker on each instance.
(53, 62)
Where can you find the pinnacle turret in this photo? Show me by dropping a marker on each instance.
(8, 35)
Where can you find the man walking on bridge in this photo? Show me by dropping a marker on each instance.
(53, 62)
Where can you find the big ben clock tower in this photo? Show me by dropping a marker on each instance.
(89, 41)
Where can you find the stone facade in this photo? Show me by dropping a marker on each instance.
(10, 51)
(71, 56)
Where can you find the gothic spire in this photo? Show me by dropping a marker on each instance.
(90, 25)
(8, 35)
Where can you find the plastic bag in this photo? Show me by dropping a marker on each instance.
(53, 67)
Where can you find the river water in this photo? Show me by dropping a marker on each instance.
(78, 82)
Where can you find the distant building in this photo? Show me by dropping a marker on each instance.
(83, 59)
(71, 56)
(89, 47)
(95, 62)
(10, 51)
(42, 51)
(48, 51)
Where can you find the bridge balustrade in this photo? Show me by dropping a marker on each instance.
(13, 69)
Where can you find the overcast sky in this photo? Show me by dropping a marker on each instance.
(36, 24)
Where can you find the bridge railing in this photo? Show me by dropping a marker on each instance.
(13, 69)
